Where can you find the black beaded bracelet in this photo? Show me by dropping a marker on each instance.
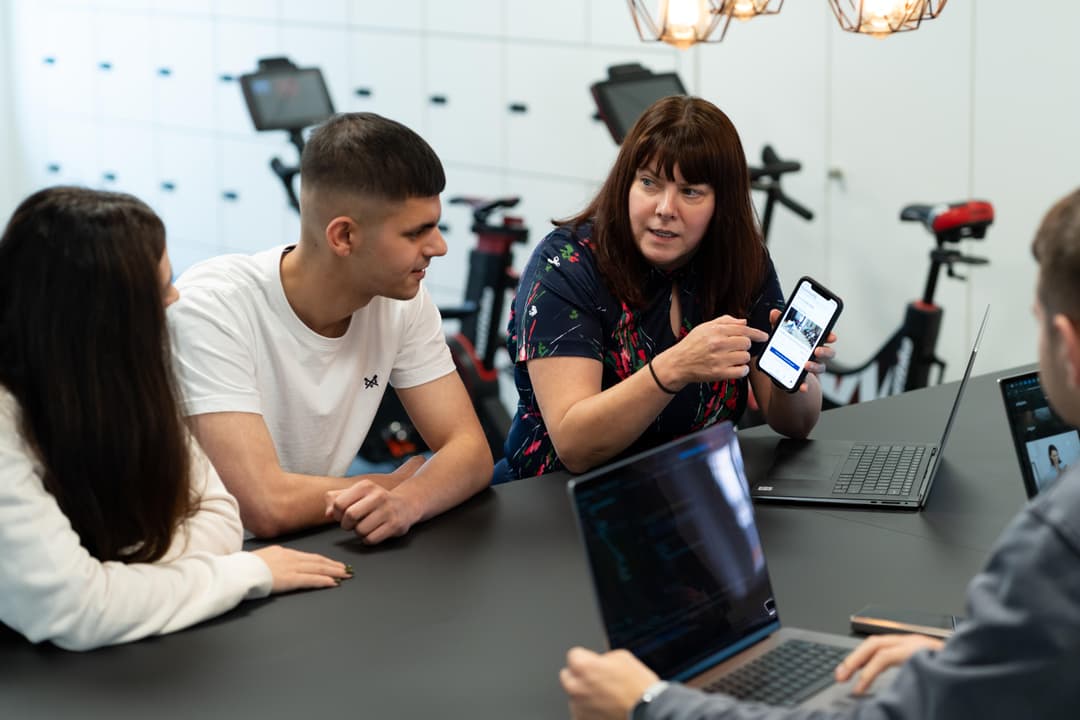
(660, 384)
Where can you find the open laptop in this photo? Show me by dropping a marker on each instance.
(1045, 444)
(681, 581)
(884, 473)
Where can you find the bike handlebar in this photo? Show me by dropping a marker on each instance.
(800, 210)
(772, 166)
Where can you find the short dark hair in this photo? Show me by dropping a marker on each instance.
(372, 156)
(1057, 248)
(84, 350)
(698, 137)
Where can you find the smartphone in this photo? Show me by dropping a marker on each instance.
(809, 317)
(874, 619)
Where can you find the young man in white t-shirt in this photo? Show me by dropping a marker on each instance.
(284, 355)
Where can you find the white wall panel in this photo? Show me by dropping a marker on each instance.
(122, 60)
(467, 125)
(247, 9)
(185, 84)
(469, 17)
(399, 95)
(333, 13)
(254, 206)
(899, 133)
(1026, 155)
(186, 196)
(126, 159)
(398, 15)
(560, 21)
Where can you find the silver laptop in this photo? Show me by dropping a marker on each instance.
(681, 580)
(883, 473)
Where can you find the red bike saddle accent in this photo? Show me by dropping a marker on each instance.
(953, 221)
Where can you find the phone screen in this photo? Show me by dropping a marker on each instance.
(797, 334)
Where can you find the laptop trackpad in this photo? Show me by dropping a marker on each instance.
(814, 460)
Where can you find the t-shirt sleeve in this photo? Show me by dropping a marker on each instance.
(770, 296)
(556, 310)
(212, 354)
(423, 355)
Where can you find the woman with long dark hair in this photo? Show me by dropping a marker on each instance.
(636, 320)
(113, 524)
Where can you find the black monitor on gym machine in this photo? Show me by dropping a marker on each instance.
(628, 90)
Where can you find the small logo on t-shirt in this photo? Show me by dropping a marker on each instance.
(371, 382)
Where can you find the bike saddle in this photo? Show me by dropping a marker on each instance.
(951, 222)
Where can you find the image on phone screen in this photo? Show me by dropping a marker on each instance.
(799, 331)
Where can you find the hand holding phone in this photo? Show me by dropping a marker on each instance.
(805, 324)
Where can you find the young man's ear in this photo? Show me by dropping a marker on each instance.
(342, 235)
(1068, 349)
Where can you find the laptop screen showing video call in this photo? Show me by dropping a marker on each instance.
(1046, 446)
(675, 554)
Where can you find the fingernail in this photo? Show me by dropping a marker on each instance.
(337, 581)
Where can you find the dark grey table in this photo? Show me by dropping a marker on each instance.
(470, 615)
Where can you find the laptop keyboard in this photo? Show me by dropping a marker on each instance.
(786, 675)
(880, 470)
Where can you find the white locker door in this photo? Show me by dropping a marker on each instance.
(465, 108)
(186, 165)
(332, 13)
(72, 157)
(560, 21)
(184, 80)
(125, 77)
(69, 48)
(484, 18)
(398, 15)
(254, 207)
(183, 7)
(247, 9)
(395, 91)
(126, 160)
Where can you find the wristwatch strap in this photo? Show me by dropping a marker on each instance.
(651, 693)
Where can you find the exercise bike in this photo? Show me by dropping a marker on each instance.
(282, 96)
(905, 361)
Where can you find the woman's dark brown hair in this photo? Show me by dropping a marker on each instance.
(695, 135)
(84, 349)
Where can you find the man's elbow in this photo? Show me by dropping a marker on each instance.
(264, 521)
(483, 465)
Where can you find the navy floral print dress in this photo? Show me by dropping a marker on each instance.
(563, 308)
